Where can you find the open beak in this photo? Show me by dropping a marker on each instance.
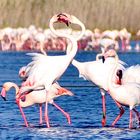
(3, 94)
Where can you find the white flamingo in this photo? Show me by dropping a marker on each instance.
(46, 70)
(128, 93)
(37, 97)
(127, 76)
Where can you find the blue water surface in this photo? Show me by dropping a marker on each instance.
(85, 107)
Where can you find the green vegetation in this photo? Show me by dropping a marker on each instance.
(102, 14)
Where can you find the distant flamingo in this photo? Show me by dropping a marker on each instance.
(125, 38)
(127, 94)
(46, 70)
(37, 97)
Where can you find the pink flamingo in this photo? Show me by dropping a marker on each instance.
(127, 94)
(37, 97)
(46, 70)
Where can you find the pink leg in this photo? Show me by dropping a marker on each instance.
(130, 119)
(137, 114)
(40, 113)
(23, 115)
(65, 113)
(104, 111)
(46, 116)
(121, 113)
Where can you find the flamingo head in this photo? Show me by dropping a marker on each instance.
(119, 74)
(6, 87)
(63, 17)
(110, 53)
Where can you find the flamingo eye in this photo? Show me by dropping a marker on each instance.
(23, 99)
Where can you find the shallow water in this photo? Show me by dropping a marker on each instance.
(85, 107)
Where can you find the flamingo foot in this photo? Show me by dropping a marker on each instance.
(47, 120)
(68, 118)
(41, 122)
(103, 121)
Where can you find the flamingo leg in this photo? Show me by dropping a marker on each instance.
(40, 113)
(65, 113)
(104, 111)
(121, 113)
(104, 107)
(46, 115)
(130, 119)
(22, 113)
(137, 114)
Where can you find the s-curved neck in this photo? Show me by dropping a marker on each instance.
(98, 56)
(83, 29)
(42, 49)
(11, 84)
(21, 103)
(74, 49)
(111, 83)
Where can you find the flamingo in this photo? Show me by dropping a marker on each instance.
(37, 97)
(23, 74)
(46, 70)
(128, 93)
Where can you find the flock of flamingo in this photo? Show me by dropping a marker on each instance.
(32, 38)
(40, 77)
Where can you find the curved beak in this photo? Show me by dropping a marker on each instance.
(3, 94)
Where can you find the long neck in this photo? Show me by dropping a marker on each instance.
(111, 83)
(14, 86)
(100, 54)
(42, 48)
(74, 49)
(21, 103)
(76, 63)
(82, 31)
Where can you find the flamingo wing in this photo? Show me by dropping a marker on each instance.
(131, 75)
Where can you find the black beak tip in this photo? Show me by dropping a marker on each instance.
(3, 98)
(67, 24)
(103, 59)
